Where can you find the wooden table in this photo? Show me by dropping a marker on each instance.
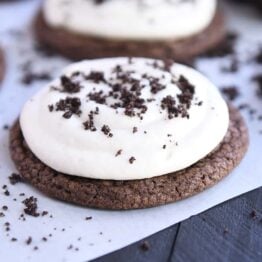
(231, 231)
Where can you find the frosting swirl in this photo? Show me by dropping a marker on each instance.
(124, 119)
(131, 19)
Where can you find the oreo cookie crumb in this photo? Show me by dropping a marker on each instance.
(7, 193)
(69, 105)
(258, 57)
(44, 213)
(44, 239)
(68, 85)
(225, 231)
(253, 214)
(232, 68)
(15, 178)
(5, 208)
(5, 127)
(145, 246)
(30, 77)
(29, 241)
(31, 206)
(231, 92)
(258, 80)
(119, 152)
(106, 130)
(132, 160)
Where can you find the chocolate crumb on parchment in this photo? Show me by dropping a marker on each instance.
(258, 56)
(233, 66)
(227, 47)
(15, 178)
(5, 208)
(29, 241)
(231, 92)
(31, 206)
(258, 80)
(5, 127)
(30, 77)
(6, 192)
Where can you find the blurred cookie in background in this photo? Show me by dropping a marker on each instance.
(159, 28)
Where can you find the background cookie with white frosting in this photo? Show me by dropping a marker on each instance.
(94, 29)
(125, 133)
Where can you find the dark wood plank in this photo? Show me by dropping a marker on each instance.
(231, 231)
(160, 249)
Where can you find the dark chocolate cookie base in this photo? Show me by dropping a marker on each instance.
(108, 194)
(78, 47)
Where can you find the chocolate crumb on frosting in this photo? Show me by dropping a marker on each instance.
(135, 129)
(89, 124)
(69, 105)
(125, 92)
(96, 77)
(119, 152)
(106, 130)
(68, 85)
(132, 160)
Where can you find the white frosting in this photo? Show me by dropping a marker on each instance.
(132, 19)
(66, 146)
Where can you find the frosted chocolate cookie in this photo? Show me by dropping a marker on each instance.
(159, 29)
(125, 133)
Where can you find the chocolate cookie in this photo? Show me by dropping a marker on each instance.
(108, 194)
(2, 65)
(78, 47)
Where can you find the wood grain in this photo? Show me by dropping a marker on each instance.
(231, 231)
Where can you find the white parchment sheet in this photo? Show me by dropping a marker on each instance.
(108, 231)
